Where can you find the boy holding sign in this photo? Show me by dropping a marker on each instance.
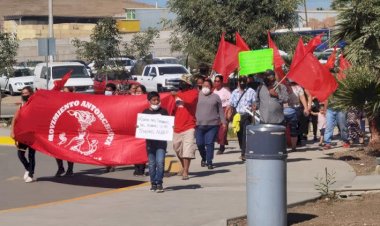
(156, 148)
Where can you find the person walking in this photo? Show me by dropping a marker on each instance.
(321, 114)
(70, 165)
(209, 116)
(242, 100)
(270, 99)
(355, 134)
(335, 117)
(140, 168)
(225, 96)
(184, 123)
(156, 149)
(30, 163)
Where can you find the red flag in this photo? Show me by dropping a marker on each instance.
(331, 60)
(298, 54)
(59, 84)
(226, 59)
(277, 59)
(314, 43)
(85, 128)
(313, 76)
(343, 65)
(240, 43)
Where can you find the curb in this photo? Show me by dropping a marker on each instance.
(8, 141)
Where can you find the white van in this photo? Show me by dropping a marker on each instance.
(80, 79)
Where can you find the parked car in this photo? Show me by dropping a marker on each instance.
(122, 80)
(120, 62)
(161, 77)
(27, 64)
(16, 81)
(80, 79)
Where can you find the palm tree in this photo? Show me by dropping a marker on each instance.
(359, 26)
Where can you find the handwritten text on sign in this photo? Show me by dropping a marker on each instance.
(154, 127)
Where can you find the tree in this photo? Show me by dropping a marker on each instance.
(8, 51)
(141, 43)
(199, 24)
(340, 4)
(104, 43)
(359, 26)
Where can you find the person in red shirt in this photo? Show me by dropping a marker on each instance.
(184, 124)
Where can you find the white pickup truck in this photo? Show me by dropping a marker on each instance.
(161, 77)
(80, 80)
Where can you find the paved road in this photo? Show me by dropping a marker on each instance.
(87, 180)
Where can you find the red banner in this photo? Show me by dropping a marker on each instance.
(90, 129)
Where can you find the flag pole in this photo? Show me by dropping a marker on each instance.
(275, 87)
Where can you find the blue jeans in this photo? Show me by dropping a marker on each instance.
(156, 165)
(205, 137)
(334, 118)
(291, 120)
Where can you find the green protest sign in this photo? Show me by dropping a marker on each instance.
(256, 61)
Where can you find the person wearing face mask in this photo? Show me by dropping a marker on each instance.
(156, 149)
(70, 165)
(30, 163)
(209, 116)
(110, 89)
(225, 96)
(184, 123)
(242, 99)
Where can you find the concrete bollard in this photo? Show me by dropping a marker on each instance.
(266, 175)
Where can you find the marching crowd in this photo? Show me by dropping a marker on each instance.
(205, 108)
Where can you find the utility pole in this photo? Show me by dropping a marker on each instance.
(304, 5)
(51, 33)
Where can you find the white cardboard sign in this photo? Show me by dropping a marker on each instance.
(155, 127)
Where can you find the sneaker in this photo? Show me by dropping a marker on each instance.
(210, 166)
(203, 163)
(327, 147)
(160, 189)
(29, 179)
(346, 145)
(153, 187)
(26, 175)
(60, 172)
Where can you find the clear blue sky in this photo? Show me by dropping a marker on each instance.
(311, 4)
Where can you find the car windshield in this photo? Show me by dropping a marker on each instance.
(172, 70)
(171, 61)
(22, 72)
(78, 71)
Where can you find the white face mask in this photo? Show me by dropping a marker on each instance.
(108, 93)
(155, 107)
(206, 91)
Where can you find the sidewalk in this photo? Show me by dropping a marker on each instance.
(209, 198)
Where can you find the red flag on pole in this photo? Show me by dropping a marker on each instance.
(226, 59)
(331, 60)
(277, 59)
(343, 65)
(59, 84)
(313, 76)
(298, 54)
(85, 128)
(240, 43)
(314, 43)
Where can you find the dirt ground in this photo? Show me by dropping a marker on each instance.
(362, 160)
(363, 210)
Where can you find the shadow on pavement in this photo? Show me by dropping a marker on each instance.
(208, 173)
(92, 181)
(231, 152)
(183, 187)
(102, 170)
(222, 164)
(295, 218)
(298, 160)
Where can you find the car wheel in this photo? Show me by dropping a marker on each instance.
(11, 92)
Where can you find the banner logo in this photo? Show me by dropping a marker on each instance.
(83, 142)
